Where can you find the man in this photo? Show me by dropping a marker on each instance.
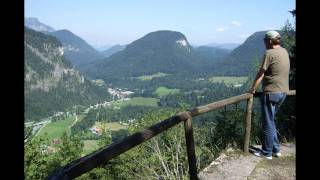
(274, 74)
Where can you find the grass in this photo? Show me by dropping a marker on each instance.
(92, 145)
(163, 91)
(137, 101)
(228, 80)
(114, 126)
(57, 128)
(89, 146)
(99, 82)
(150, 77)
(81, 117)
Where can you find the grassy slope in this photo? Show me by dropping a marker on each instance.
(163, 91)
(138, 101)
(229, 80)
(150, 77)
(56, 129)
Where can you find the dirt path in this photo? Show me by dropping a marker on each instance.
(235, 165)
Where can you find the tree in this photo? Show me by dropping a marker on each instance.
(289, 42)
(285, 118)
(42, 158)
(105, 139)
(70, 148)
(228, 130)
(27, 132)
(38, 161)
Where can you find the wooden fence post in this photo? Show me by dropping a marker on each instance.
(190, 149)
(247, 125)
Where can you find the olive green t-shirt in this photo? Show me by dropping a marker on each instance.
(277, 66)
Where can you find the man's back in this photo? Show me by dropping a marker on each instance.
(277, 67)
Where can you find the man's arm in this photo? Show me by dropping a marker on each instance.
(257, 81)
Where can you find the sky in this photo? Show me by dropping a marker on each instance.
(110, 22)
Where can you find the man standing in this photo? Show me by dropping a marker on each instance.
(274, 74)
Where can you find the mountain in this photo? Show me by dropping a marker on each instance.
(209, 56)
(241, 60)
(35, 24)
(101, 48)
(78, 51)
(51, 84)
(229, 46)
(112, 50)
(160, 51)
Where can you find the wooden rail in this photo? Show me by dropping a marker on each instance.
(90, 161)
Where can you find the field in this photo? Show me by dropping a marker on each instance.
(163, 91)
(229, 80)
(56, 129)
(92, 145)
(137, 101)
(114, 126)
(89, 146)
(150, 77)
(99, 82)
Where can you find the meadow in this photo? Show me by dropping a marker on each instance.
(137, 101)
(150, 77)
(57, 128)
(163, 91)
(228, 80)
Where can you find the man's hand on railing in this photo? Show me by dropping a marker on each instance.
(252, 90)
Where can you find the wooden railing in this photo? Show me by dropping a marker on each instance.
(90, 161)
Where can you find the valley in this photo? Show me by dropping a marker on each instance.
(79, 99)
(109, 98)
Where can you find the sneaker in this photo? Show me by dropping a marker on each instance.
(259, 155)
(278, 154)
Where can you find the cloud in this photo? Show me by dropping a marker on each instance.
(224, 28)
(221, 29)
(236, 23)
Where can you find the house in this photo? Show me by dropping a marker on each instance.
(96, 130)
(56, 141)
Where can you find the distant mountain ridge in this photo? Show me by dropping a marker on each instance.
(241, 60)
(210, 55)
(162, 51)
(229, 46)
(112, 50)
(170, 52)
(35, 24)
(77, 50)
(51, 84)
(159, 51)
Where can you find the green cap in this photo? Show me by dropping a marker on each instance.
(272, 35)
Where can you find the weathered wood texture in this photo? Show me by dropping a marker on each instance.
(247, 125)
(190, 149)
(219, 104)
(289, 93)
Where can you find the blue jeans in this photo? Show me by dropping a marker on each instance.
(270, 105)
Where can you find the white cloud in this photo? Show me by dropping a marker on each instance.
(236, 23)
(221, 29)
(224, 28)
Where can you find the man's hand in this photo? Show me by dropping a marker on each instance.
(252, 90)
(257, 81)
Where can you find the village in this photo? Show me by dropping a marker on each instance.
(118, 94)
